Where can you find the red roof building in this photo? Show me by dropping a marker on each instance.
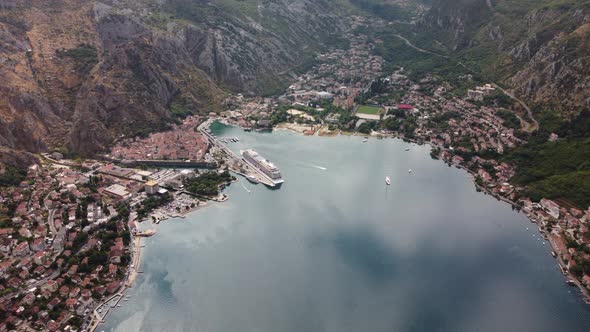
(113, 287)
(405, 107)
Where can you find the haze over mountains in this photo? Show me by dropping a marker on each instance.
(77, 74)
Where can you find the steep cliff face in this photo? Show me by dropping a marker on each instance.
(247, 46)
(556, 71)
(538, 48)
(78, 74)
(132, 87)
(26, 113)
(455, 22)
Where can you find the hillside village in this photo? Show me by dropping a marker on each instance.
(70, 241)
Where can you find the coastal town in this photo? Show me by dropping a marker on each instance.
(71, 239)
(70, 244)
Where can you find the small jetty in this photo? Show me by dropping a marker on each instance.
(146, 233)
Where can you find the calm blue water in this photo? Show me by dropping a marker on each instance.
(335, 250)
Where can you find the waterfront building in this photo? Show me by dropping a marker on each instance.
(152, 187)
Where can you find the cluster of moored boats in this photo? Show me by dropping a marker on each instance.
(229, 140)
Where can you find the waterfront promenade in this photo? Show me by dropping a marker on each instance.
(100, 313)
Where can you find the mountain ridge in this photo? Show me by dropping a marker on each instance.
(537, 48)
(81, 73)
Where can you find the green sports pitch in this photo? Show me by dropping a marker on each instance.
(374, 110)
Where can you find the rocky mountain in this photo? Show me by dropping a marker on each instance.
(539, 48)
(252, 46)
(78, 74)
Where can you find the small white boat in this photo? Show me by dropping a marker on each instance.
(387, 180)
(252, 179)
(410, 171)
(365, 140)
(407, 149)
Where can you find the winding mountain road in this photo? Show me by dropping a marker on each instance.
(527, 126)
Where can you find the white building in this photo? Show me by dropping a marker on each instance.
(152, 187)
(118, 191)
(188, 174)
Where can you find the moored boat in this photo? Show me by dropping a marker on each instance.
(264, 167)
(252, 179)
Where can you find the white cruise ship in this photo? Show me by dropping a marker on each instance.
(263, 165)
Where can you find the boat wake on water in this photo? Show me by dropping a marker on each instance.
(312, 166)
(245, 188)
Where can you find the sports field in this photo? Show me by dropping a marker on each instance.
(373, 110)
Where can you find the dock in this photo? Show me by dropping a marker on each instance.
(238, 161)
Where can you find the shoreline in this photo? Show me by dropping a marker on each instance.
(136, 240)
(97, 319)
(584, 291)
(135, 245)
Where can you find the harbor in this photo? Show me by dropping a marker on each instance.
(427, 234)
(255, 169)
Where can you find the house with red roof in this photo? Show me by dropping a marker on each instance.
(21, 249)
(38, 244)
(405, 107)
(55, 301)
(113, 286)
(71, 303)
(75, 292)
(39, 257)
(64, 291)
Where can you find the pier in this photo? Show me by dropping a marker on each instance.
(168, 163)
(241, 166)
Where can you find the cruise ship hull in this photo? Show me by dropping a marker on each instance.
(266, 169)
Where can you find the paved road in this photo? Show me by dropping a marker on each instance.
(528, 127)
(418, 48)
(50, 222)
